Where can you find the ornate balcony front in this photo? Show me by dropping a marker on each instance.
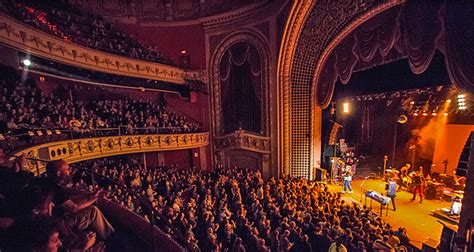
(243, 140)
(90, 148)
(24, 38)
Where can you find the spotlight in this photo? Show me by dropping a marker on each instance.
(26, 62)
(183, 51)
(448, 101)
(434, 113)
(445, 114)
(416, 113)
(461, 102)
(425, 114)
(412, 102)
(345, 107)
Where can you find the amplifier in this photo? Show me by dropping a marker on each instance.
(434, 191)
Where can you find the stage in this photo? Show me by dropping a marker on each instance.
(416, 217)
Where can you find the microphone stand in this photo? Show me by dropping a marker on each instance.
(362, 188)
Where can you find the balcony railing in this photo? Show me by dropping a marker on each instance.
(80, 149)
(22, 37)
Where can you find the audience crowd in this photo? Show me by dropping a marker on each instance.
(236, 210)
(40, 214)
(24, 106)
(82, 28)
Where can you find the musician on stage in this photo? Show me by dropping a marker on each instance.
(418, 183)
(404, 179)
(347, 181)
(392, 191)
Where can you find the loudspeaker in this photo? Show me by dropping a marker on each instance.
(433, 192)
(464, 158)
(333, 134)
(429, 246)
(447, 239)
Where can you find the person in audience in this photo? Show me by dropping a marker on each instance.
(77, 215)
(337, 246)
(34, 208)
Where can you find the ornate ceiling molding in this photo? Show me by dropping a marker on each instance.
(22, 37)
(77, 150)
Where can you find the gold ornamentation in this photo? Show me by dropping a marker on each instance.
(25, 38)
(91, 148)
(242, 140)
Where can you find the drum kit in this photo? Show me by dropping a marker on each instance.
(405, 181)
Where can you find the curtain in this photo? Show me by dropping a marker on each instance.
(241, 81)
(415, 31)
(459, 43)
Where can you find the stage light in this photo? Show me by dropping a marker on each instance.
(26, 62)
(445, 113)
(448, 101)
(425, 114)
(461, 96)
(183, 51)
(417, 112)
(434, 113)
(412, 102)
(345, 107)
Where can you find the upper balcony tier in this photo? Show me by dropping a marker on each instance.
(18, 35)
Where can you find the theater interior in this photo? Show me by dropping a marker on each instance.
(236, 125)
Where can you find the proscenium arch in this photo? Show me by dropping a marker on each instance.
(257, 40)
(312, 32)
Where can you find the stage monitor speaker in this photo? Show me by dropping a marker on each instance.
(434, 191)
(429, 246)
(464, 158)
(447, 238)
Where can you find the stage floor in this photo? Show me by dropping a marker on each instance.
(416, 217)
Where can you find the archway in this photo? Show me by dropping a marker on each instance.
(238, 51)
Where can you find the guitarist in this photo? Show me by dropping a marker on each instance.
(418, 183)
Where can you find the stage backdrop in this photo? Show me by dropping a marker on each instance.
(450, 141)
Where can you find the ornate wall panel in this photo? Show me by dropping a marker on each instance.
(15, 34)
(90, 148)
(313, 30)
(243, 140)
